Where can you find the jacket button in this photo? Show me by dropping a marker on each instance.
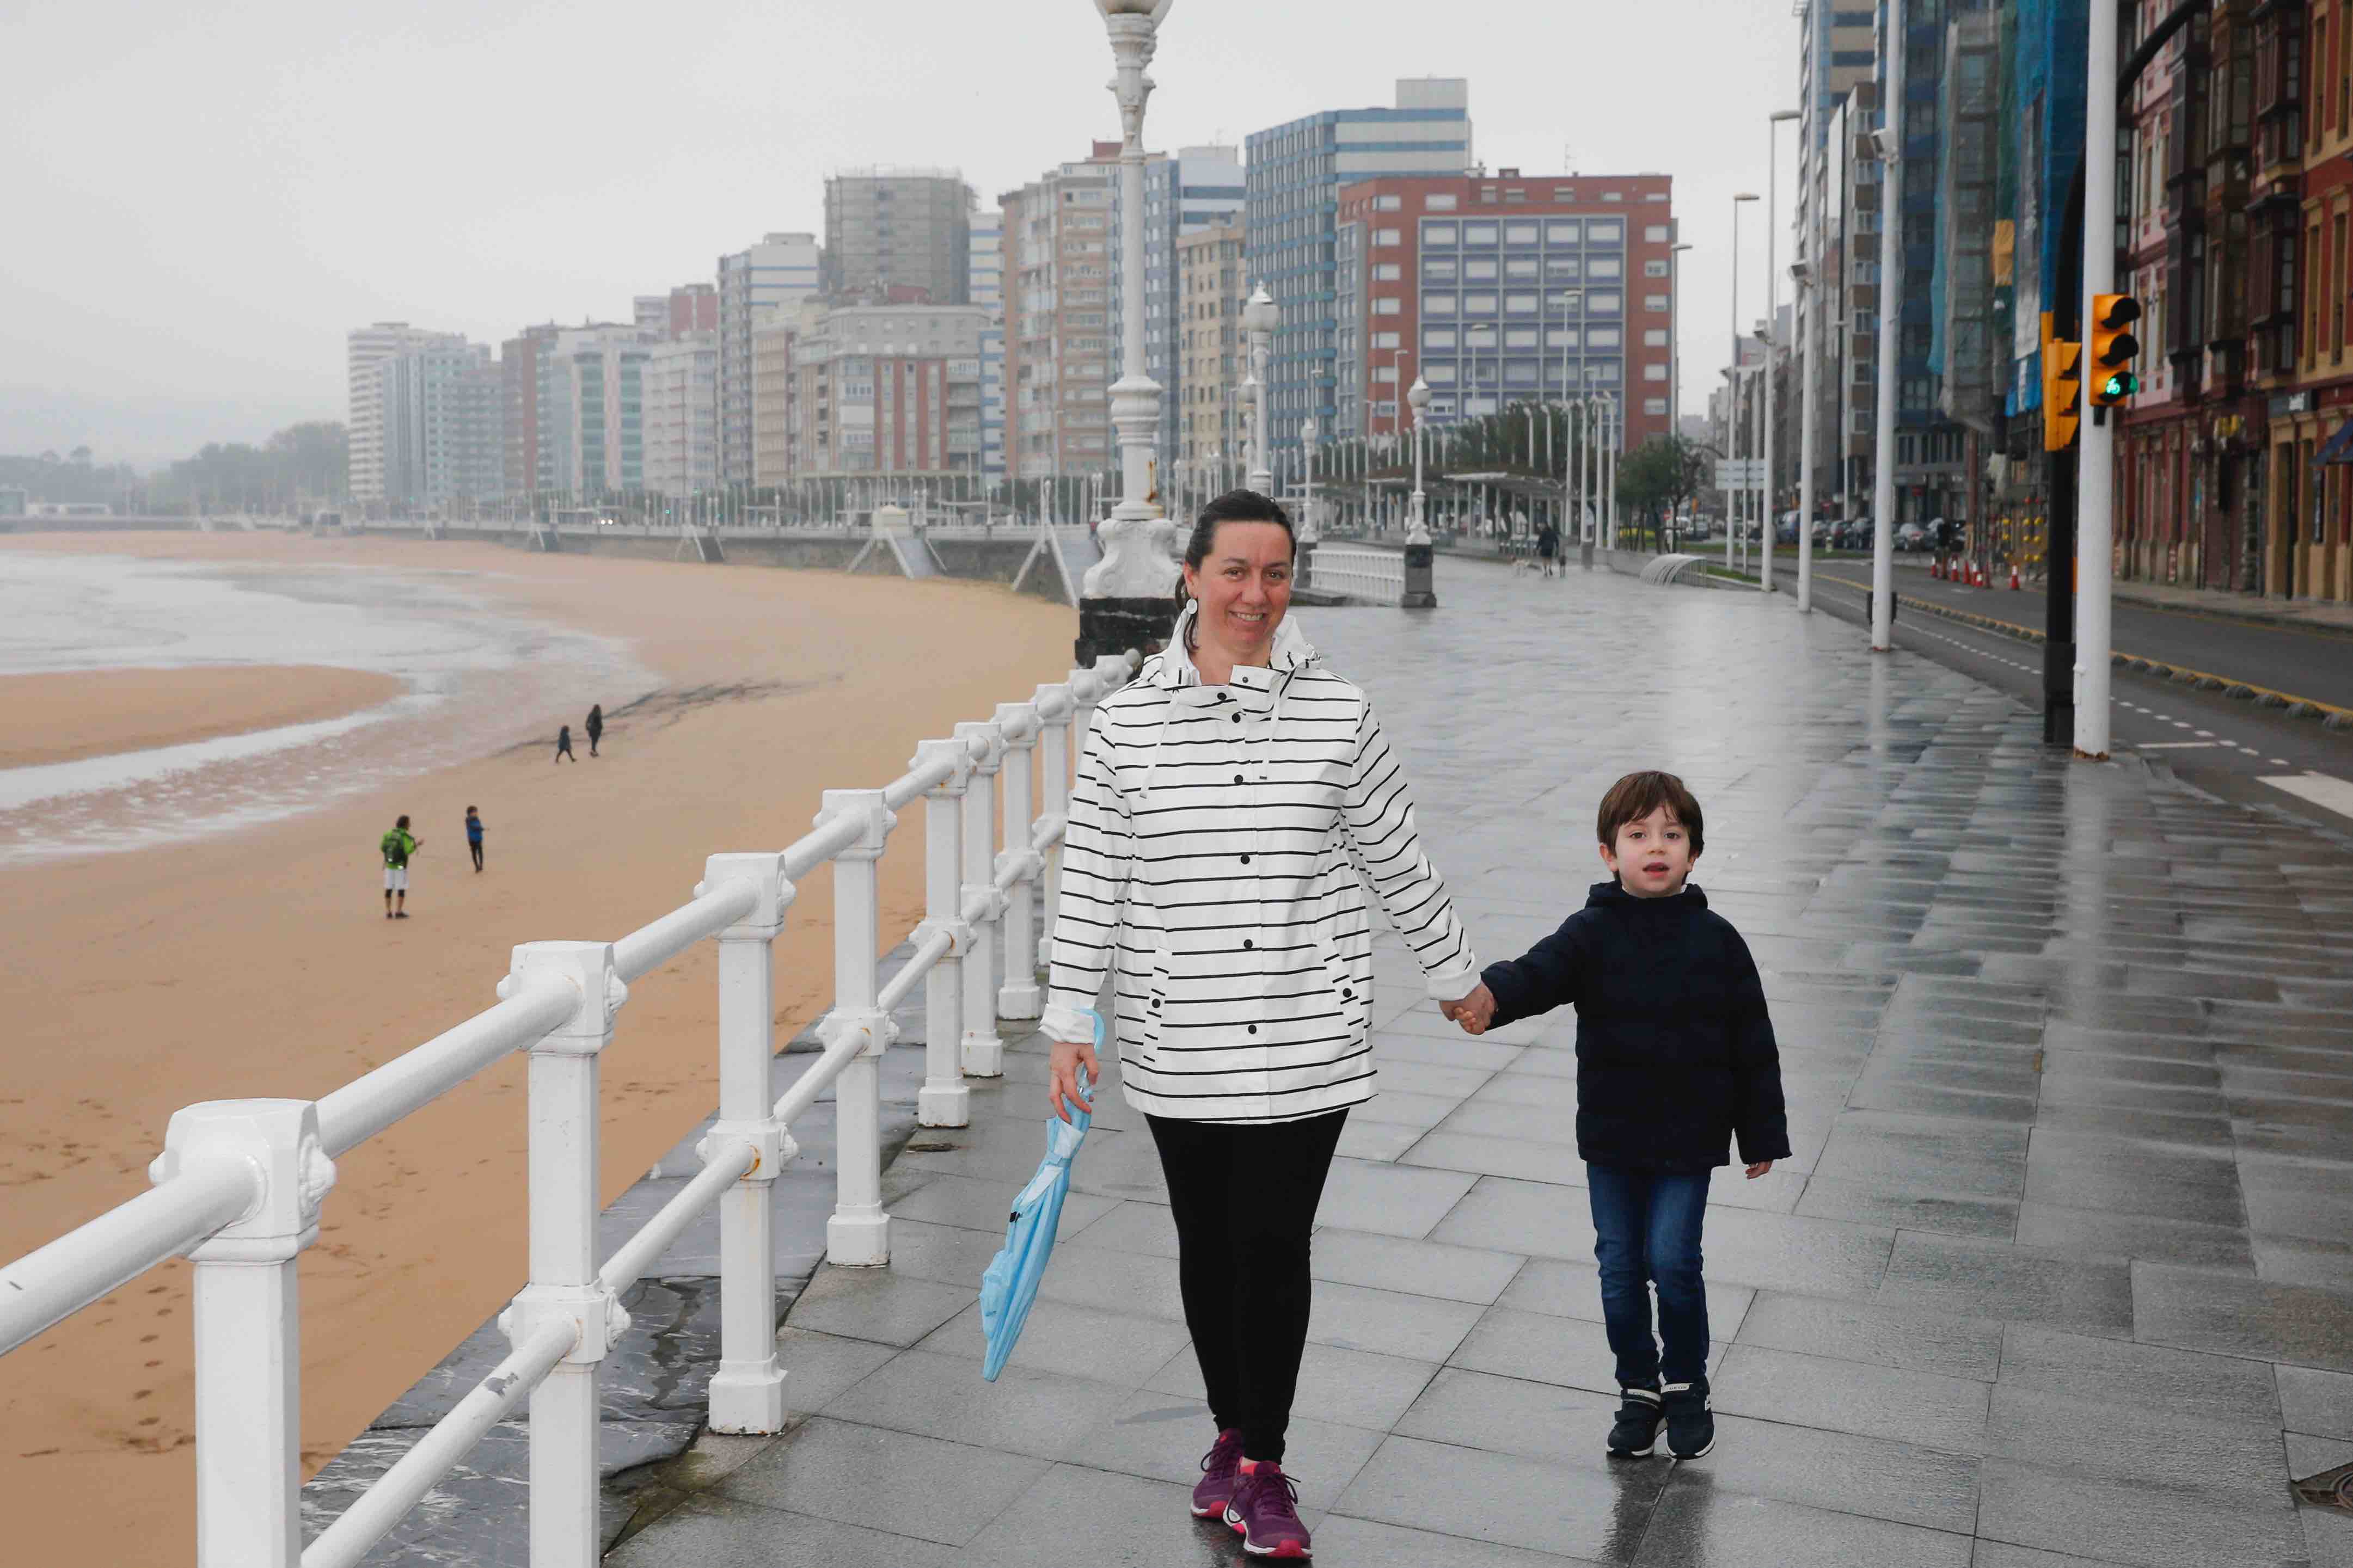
(1347, 996)
(1245, 859)
(1238, 718)
(1248, 943)
(1253, 1028)
(1237, 778)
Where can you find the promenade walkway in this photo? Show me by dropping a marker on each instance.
(2061, 1272)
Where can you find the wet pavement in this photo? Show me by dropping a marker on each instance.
(2061, 1272)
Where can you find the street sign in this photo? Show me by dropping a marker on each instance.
(1739, 473)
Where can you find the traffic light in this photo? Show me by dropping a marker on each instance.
(2114, 349)
(2062, 386)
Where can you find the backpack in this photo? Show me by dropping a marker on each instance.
(395, 847)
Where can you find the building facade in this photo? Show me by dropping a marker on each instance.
(885, 389)
(1184, 192)
(987, 289)
(518, 403)
(592, 429)
(774, 343)
(899, 228)
(442, 409)
(364, 349)
(1295, 174)
(1503, 289)
(681, 415)
(1060, 337)
(1209, 301)
(773, 276)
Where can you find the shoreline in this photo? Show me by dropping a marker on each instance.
(257, 961)
(76, 715)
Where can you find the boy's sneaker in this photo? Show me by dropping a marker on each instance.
(1636, 1432)
(1690, 1420)
(1220, 1467)
(1265, 1508)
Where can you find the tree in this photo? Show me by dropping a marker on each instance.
(1662, 475)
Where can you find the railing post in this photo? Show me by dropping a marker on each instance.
(858, 1233)
(1059, 701)
(564, 1531)
(249, 1337)
(1018, 997)
(747, 1393)
(984, 1053)
(944, 1101)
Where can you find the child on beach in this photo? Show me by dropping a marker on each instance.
(563, 743)
(1675, 1059)
(397, 847)
(474, 835)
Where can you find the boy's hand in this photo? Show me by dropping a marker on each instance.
(1473, 1012)
(1759, 1168)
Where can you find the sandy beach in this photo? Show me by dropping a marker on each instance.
(258, 963)
(78, 713)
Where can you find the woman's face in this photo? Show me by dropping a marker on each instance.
(1244, 588)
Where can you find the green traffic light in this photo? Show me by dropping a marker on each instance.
(2123, 384)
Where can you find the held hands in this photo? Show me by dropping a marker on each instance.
(1473, 1012)
(1066, 1061)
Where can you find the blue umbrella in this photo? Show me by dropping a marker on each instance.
(1010, 1288)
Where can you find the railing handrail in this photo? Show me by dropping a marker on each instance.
(241, 1181)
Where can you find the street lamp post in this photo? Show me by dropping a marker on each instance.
(1731, 424)
(1772, 324)
(1675, 348)
(1307, 538)
(1418, 592)
(1890, 137)
(1259, 317)
(1133, 587)
(1802, 273)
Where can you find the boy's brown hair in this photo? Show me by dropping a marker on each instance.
(1637, 795)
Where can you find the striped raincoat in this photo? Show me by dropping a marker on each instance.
(1211, 870)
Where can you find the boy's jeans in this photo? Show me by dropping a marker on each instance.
(1646, 1227)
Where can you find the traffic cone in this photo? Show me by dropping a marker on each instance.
(2013, 576)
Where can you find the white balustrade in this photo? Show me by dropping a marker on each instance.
(1359, 570)
(240, 1182)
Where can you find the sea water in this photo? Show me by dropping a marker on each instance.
(478, 677)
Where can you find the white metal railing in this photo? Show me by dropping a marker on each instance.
(240, 1186)
(1360, 570)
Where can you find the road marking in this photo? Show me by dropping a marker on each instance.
(2279, 762)
(2208, 734)
(2176, 745)
(2334, 794)
(2251, 751)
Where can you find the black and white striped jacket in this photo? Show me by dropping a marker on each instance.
(1211, 868)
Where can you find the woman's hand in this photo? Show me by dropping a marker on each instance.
(1062, 1076)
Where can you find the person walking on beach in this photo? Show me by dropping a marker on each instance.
(397, 847)
(1220, 800)
(596, 728)
(474, 835)
(563, 743)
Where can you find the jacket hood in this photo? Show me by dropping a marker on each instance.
(1609, 895)
(1171, 667)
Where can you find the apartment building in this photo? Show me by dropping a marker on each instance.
(890, 389)
(1060, 337)
(592, 390)
(364, 349)
(898, 228)
(1211, 352)
(771, 276)
(442, 411)
(682, 414)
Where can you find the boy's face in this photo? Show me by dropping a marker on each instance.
(1652, 857)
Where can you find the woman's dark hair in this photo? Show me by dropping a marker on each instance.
(1234, 506)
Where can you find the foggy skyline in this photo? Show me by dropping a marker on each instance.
(202, 207)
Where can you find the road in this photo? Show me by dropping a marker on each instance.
(2234, 749)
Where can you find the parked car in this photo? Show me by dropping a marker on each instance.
(1910, 537)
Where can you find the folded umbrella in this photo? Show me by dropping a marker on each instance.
(1010, 1288)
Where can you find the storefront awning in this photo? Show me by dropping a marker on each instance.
(2337, 448)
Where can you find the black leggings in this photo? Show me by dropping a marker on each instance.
(477, 847)
(1244, 1199)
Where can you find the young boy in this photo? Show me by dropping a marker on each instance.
(1674, 1060)
(474, 835)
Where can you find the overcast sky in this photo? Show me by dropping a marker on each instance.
(197, 202)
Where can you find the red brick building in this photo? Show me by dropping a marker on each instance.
(1504, 287)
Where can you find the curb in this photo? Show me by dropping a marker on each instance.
(2293, 707)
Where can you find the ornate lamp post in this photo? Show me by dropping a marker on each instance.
(1418, 592)
(1307, 538)
(1129, 596)
(1259, 317)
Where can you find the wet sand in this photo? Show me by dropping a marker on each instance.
(75, 714)
(260, 962)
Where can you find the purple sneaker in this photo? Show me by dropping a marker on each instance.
(1220, 1467)
(1265, 1508)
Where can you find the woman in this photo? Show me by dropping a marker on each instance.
(1225, 803)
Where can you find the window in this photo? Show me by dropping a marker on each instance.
(1654, 269)
(1520, 338)
(1605, 269)
(1438, 304)
(1563, 268)
(1654, 405)
(1520, 304)
(1602, 338)
(1564, 192)
(1477, 271)
(1385, 340)
(1388, 205)
(1478, 234)
(1654, 234)
(1386, 236)
(1654, 337)
(1439, 375)
(1561, 337)
(1527, 267)
(1519, 234)
(1654, 373)
(1388, 307)
(1387, 272)
(1440, 203)
(1439, 234)
(1613, 196)
(1655, 304)
(1603, 302)
(1439, 269)
(1385, 372)
(1605, 231)
(1520, 373)
(1438, 338)
(1477, 304)
(1604, 371)
(1563, 233)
